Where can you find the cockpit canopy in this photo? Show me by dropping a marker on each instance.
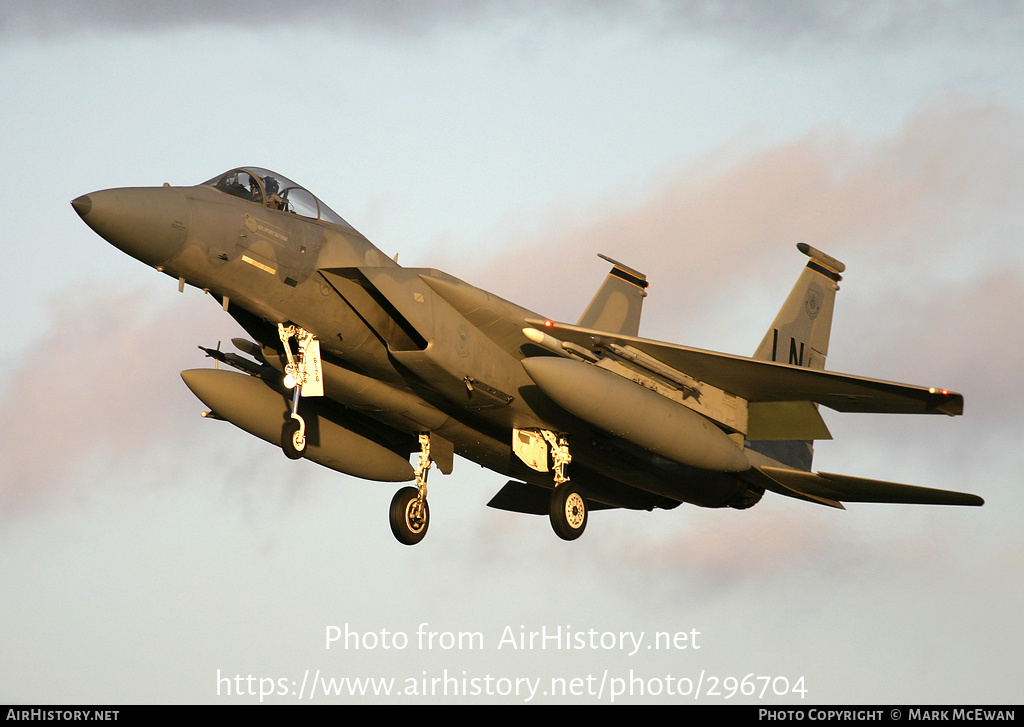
(273, 190)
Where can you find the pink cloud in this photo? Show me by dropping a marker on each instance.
(731, 219)
(102, 378)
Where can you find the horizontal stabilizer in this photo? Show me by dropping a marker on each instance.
(775, 485)
(530, 499)
(831, 489)
(759, 381)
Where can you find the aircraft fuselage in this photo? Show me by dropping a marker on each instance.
(415, 359)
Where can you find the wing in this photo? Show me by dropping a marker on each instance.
(768, 381)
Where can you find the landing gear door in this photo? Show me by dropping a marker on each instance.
(530, 447)
(313, 375)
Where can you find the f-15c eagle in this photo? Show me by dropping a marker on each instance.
(357, 363)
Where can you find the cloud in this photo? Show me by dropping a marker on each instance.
(968, 335)
(400, 17)
(98, 382)
(874, 23)
(754, 24)
(778, 540)
(930, 207)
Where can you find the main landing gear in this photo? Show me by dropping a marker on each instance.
(410, 514)
(544, 450)
(568, 509)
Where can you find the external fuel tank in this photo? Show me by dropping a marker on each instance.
(638, 415)
(250, 404)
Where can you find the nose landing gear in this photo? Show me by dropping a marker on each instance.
(303, 377)
(293, 435)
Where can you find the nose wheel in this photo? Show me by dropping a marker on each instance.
(293, 437)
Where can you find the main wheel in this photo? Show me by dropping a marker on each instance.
(293, 443)
(568, 511)
(409, 518)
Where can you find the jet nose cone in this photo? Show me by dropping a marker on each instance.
(148, 223)
(82, 205)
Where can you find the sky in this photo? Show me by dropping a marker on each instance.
(151, 556)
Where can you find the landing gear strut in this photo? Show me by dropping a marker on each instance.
(302, 376)
(293, 435)
(568, 510)
(410, 514)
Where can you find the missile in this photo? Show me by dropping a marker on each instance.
(653, 365)
(638, 415)
(246, 346)
(233, 359)
(250, 404)
(627, 353)
(562, 348)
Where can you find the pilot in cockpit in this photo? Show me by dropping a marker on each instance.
(274, 200)
(254, 191)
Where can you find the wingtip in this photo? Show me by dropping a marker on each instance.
(947, 402)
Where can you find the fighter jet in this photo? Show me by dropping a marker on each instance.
(358, 364)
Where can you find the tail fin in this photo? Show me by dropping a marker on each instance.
(799, 336)
(617, 306)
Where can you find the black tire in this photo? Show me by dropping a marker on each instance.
(406, 526)
(568, 511)
(293, 447)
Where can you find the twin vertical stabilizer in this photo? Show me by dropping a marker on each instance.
(799, 337)
(617, 306)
